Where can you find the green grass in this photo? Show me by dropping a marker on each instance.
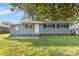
(54, 45)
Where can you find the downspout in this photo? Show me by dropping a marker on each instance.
(21, 29)
(10, 30)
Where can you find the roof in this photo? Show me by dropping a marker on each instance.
(31, 22)
(44, 21)
(40, 22)
(4, 26)
(16, 24)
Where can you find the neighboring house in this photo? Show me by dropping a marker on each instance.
(36, 28)
(4, 29)
(75, 28)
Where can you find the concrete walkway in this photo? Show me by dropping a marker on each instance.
(24, 37)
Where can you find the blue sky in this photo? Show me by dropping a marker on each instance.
(7, 15)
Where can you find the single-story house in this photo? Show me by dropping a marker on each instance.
(36, 28)
(4, 29)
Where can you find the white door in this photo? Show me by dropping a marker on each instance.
(36, 28)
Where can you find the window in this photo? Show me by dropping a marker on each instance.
(62, 25)
(28, 26)
(44, 25)
(53, 25)
(47, 25)
(58, 25)
(67, 26)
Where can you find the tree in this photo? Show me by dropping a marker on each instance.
(50, 11)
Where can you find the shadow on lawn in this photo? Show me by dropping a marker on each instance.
(51, 41)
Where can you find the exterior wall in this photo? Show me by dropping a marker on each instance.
(42, 30)
(4, 30)
(53, 30)
(27, 30)
(21, 30)
(15, 32)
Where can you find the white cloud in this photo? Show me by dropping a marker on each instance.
(8, 11)
(4, 12)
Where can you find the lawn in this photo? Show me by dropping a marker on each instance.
(54, 45)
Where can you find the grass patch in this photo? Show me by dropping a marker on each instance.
(55, 45)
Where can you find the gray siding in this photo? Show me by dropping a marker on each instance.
(53, 30)
(22, 30)
(15, 32)
(41, 30)
(27, 30)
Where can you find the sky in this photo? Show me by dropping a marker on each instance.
(7, 15)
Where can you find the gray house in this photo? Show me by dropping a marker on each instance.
(36, 28)
(4, 28)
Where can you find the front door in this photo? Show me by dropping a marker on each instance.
(36, 28)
